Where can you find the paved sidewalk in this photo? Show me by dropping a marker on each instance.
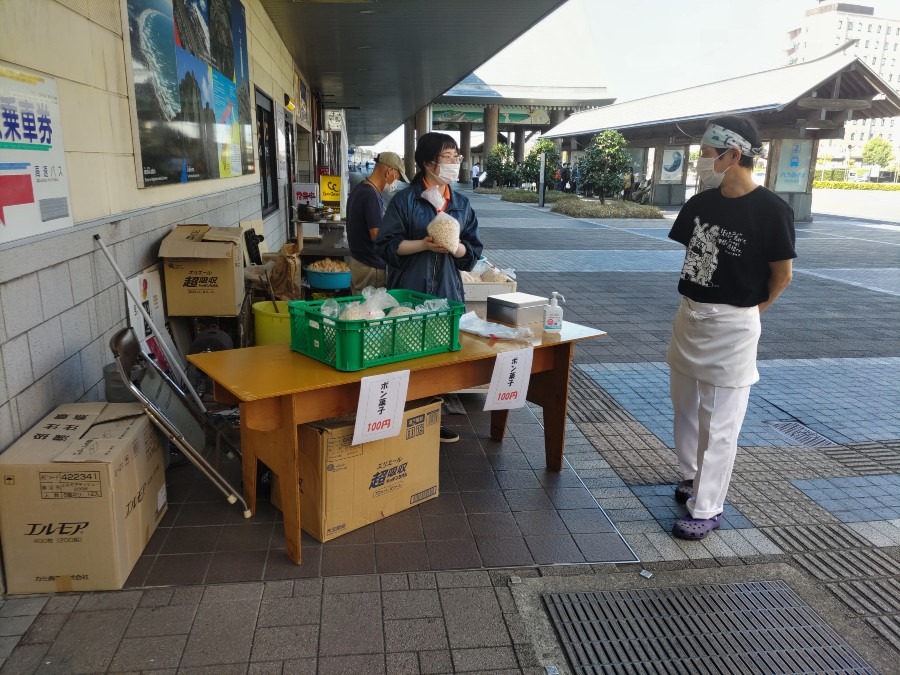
(814, 502)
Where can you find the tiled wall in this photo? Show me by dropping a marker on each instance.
(60, 300)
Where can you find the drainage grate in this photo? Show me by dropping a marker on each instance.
(735, 629)
(802, 434)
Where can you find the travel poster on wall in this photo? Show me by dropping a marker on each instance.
(191, 87)
(672, 169)
(34, 179)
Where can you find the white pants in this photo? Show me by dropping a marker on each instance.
(708, 420)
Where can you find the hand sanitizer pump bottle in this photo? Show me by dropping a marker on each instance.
(553, 314)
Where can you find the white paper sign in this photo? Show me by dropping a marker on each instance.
(509, 383)
(34, 177)
(379, 413)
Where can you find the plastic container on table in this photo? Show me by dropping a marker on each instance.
(271, 327)
(355, 345)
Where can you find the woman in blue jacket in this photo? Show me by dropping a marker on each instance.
(414, 261)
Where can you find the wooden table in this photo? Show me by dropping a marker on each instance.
(278, 389)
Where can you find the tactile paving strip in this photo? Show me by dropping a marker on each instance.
(733, 629)
(804, 538)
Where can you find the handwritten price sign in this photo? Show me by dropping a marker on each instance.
(379, 413)
(509, 383)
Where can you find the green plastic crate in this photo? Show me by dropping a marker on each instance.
(354, 345)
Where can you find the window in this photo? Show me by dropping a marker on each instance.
(866, 45)
(870, 29)
(853, 136)
(888, 31)
(879, 29)
(882, 61)
(268, 168)
(876, 45)
(874, 60)
(849, 25)
(840, 23)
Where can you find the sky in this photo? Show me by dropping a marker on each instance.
(641, 48)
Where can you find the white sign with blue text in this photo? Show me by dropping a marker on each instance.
(379, 413)
(509, 383)
(793, 165)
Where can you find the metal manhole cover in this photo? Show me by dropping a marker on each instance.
(802, 434)
(734, 629)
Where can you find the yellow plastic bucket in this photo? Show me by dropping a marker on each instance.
(271, 328)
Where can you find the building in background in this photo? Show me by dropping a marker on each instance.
(832, 24)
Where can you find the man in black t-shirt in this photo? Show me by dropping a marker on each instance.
(365, 209)
(739, 247)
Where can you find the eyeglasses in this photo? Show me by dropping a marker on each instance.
(450, 158)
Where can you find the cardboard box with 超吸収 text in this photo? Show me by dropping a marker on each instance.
(80, 496)
(204, 270)
(344, 487)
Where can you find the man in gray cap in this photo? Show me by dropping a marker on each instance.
(365, 209)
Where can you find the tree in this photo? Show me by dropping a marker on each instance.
(877, 152)
(531, 170)
(500, 165)
(604, 164)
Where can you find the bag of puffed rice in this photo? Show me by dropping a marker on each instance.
(444, 230)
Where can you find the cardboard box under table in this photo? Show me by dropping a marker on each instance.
(80, 496)
(344, 487)
(204, 271)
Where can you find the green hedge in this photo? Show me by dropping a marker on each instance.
(831, 174)
(613, 208)
(529, 197)
(487, 191)
(841, 185)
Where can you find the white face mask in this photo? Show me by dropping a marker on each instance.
(707, 173)
(447, 173)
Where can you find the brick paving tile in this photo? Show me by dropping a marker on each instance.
(481, 660)
(289, 611)
(155, 621)
(402, 663)
(363, 664)
(89, 640)
(435, 662)
(149, 653)
(285, 642)
(351, 624)
(411, 604)
(205, 646)
(404, 634)
(299, 667)
(473, 618)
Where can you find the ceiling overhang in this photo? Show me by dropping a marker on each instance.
(384, 60)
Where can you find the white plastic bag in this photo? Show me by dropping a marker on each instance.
(471, 323)
(331, 308)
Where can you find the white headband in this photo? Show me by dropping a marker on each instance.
(720, 137)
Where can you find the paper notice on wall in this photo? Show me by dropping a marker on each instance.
(509, 383)
(379, 413)
(34, 178)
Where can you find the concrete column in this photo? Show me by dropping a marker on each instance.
(409, 146)
(423, 121)
(556, 117)
(465, 149)
(491, 127)
(520, 145)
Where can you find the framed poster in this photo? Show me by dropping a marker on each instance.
(190, 81)
(34, 179)
(672, 168)
(793, 165)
